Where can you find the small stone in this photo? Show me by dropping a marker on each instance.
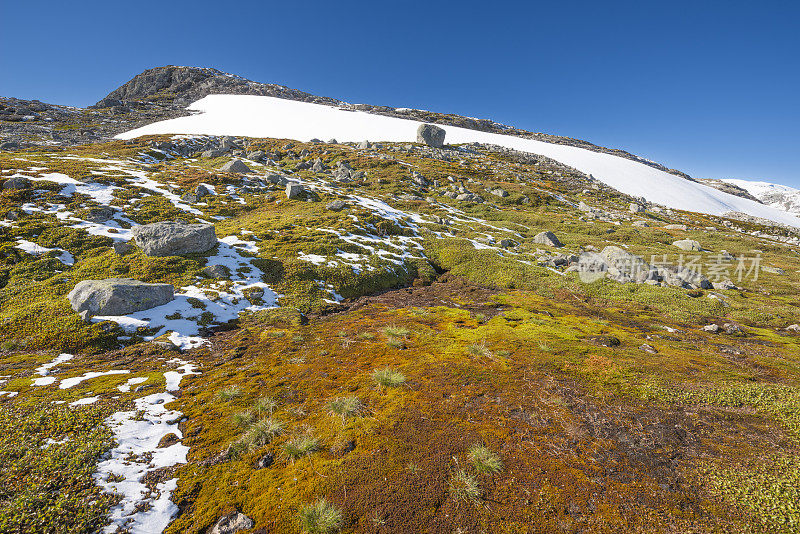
(793, 328)
(676, 227)
(265, 461)
(714, 328)
(649, 348)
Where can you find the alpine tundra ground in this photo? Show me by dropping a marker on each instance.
(411, 359)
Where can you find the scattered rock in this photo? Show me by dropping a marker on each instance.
(636, 208)
(649, 348)
(688, 245)
(169, 238)
(118, 296)
(216, 271)
(793, 328)
(732, 329)
(604, 341)
(122, 247)
(714, 328)
(499, 192)
(237, 166)
(265, 461)
(642, 224)
(723, 285)
(17, 183)
(430, 135)
(100, 214)
(676, 227)
(213, 153)
(547, 238)
(336, 205)
(293, 190)
(773, 270)
(231, 523)
(363, 145)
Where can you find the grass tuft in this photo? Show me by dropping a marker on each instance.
(300, 446)
(345, 407)
(389, 378)
(484, 460)
(464, 486)
(229, 393)
(320, 517)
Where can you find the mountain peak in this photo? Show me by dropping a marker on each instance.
(183, 85)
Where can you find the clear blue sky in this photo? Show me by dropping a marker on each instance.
(710, 88)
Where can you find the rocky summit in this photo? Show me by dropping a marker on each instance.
(289, 314)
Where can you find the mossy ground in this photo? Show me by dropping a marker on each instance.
(699, 435)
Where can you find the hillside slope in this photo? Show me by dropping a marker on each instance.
(778, 196)
(254, 116)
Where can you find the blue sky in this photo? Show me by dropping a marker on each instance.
(710, 88)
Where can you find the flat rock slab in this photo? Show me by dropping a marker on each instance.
(174, 238)
(118, 296)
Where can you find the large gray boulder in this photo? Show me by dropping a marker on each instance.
(237, 166)
(430, 135)
(118, 296)
(627, 267)
(174, 238)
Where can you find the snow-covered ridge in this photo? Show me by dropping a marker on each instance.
(263, 116)
(778, 196)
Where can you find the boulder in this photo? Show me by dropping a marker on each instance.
(276, 179)
(212, 153)
(336, 205)
(641, 224)
(583, 206)
(547, 238)
(174, 238)
(17, 182)
(430, 135)
(635, 208)
(231, 523)
(627, 267)
(688, 245)
(363, 145)
(293, 190)
(236, 165)
(675, 227)
(118, 296)
(499, 192)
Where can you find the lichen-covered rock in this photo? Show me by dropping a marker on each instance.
(169, 238)
(118, 296)
(336, 205)
(231, 523)
(430, 135)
